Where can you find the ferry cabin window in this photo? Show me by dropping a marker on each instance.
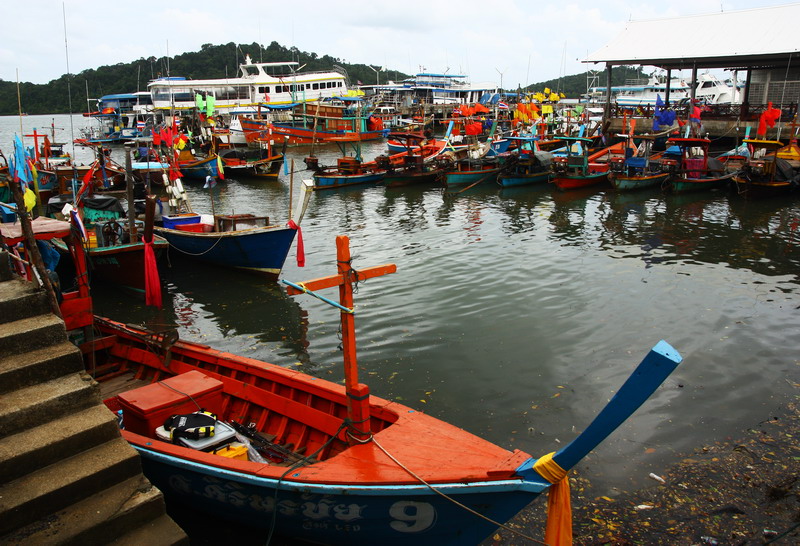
(308, 86)
(263, 89)
(315, 86)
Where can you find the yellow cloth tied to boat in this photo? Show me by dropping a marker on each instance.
(559, 509)
(29, 197)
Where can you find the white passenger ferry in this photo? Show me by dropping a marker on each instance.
(709, 90)
(257, 84)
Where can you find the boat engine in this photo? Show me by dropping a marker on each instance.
(560, 164)
(616, 164)
(382, 162)
(669, 166)
(312, 163)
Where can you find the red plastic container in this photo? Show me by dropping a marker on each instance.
(146, 408)
(195, 228)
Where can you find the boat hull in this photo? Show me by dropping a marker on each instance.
(629, 183)
(331, 181)
(200, 169)
(685, 185)
(121, 265)
(337, 514)
(752, 189)
(514, 180)
(570, 182)
(464, 178)
(259, 250)
(394, 180)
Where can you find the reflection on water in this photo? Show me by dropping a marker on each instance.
(516, 314)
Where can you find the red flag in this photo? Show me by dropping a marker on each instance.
(301, 253)
(156, 138)
(152, 282)
(87, 180)
(767, 119)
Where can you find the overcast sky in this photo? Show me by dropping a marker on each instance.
(504, 41)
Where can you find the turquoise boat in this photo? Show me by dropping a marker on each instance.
(529, 166)
(635, 173)
(472, 172)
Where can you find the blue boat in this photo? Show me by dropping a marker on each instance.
(348, 171)
(240, 241)
(246, 242)
(191, 167)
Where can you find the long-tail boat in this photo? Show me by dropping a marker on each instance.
(574, 169)
(764, 173)
(528, 166)
(337, 465)
(642, 171)
(694, 170)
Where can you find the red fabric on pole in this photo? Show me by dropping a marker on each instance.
(152, 282)
(301, 254)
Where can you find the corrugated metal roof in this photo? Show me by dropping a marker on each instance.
(754, 37)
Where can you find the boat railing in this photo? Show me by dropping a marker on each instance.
(721, 112)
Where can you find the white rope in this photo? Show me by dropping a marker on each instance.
(454, 501)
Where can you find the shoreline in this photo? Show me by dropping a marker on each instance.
(740, 491)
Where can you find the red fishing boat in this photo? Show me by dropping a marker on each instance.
(574, 169)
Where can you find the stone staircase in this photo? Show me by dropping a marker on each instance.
(66, 474)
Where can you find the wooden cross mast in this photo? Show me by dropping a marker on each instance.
(357, 393)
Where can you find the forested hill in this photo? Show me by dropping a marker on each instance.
(212, 61)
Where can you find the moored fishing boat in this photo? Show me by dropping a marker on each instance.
(261, 161)
(529, 166)
(245, 242)
(634, 173)
(198, 167)
(574, 170)
(114, 249)
(329, 463)
(764, 173)
(694, 170)
(422, 161)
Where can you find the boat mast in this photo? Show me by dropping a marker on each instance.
(358, 411)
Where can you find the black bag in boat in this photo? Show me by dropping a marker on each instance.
(191, 426)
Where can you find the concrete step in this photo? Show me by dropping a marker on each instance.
(53, 488)
(21, 299)
(32, 367)
(121, 509)
(25, 451)
(32, 406)
(30, 333)
(160, 531)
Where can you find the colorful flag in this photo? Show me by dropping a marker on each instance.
(220, 169)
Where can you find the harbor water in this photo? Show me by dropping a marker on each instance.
(515, 315)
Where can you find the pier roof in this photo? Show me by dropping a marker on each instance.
(753, 38)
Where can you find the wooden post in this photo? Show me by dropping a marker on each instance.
(129, 195)
(291, 189)
(33, 250)
(358, 411)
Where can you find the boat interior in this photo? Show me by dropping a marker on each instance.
(287, 417)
